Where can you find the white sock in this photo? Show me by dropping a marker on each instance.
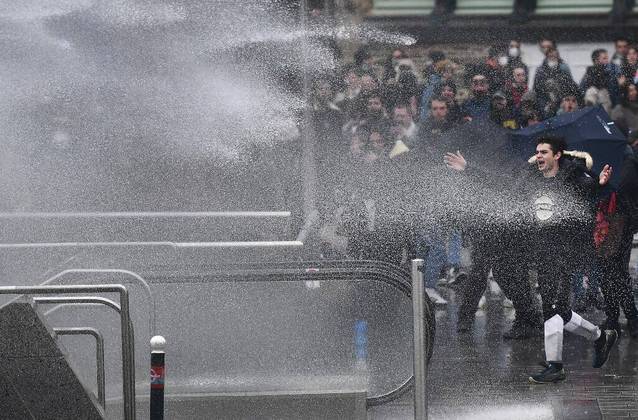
(580, 326)
(554, 339)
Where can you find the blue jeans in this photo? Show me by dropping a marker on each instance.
(431, 246)
(454, 244)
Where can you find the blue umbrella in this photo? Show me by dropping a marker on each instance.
(587, 130)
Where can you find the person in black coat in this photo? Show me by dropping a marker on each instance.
(563, 193)
(552, 78)
(617, 221)
(560, 192)
(486, 222)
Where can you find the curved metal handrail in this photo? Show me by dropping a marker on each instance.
(136, 277)
(305, 271)
(89, 300)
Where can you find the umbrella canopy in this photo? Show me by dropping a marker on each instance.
(588, 130)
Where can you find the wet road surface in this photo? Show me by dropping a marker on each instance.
(480, 375)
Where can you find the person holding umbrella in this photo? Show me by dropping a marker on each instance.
(615, 227)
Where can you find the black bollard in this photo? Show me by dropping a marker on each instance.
(158, 343)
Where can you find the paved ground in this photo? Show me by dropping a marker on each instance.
(482, 376)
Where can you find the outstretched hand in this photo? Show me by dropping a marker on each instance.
(455, 161)
(605, 175)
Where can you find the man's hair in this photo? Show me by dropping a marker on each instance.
(557, 144)
(494, 51)
(403, 105)
(597, 53)
(436, 56)
(374, 93)
(438, 99)
(622, 38)
(361, 55)
(546, 38)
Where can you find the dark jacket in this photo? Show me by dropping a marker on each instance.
(550, 84)
(561, 211)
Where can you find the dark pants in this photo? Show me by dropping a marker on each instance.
(559, 254)
(509, 266)
(554, 285)
(616, 283)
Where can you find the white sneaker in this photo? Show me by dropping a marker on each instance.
(435, 297)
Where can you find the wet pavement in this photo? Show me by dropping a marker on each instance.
(480, 375)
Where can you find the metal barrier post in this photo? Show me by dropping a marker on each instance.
(420, 352)
(158, 344)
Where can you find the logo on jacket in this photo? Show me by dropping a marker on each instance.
(605, 124)
(544, 207)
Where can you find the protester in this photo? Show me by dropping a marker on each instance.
(516, 86)
(514, 57)
(616, 225)
(629, 67)
(625, 114)
(501, 250)
(478, 105)
(404, 128)
(552, 78)
(600, 81)
(570, 101)
(441, 72)
(621, 50)
(564, 193)
(399, 130)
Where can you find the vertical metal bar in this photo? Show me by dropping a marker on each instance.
(307, 133)
(158, 376)
(420, 351)
(101, 377)
(99, 357)
(128, 354)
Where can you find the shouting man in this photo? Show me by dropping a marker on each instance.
(564, 196)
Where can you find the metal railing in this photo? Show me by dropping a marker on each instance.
(298, 271)
(126, 328)
(134, 278)
(62, 301)
(12, 216)
(322, 271)
(99, 357)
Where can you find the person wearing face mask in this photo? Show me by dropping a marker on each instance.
(494, 68)
(514, 59)
(552, 78)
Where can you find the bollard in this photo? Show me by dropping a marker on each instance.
(158, 344)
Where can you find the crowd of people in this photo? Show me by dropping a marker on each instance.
(406, 159)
